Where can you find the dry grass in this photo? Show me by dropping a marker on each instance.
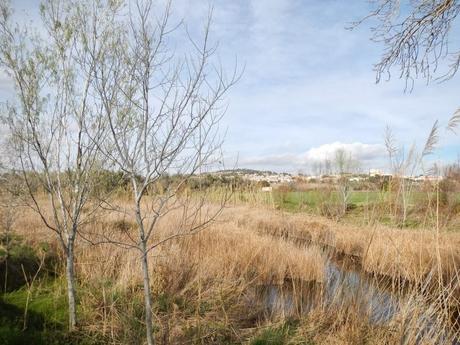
(214, 270)
(204, 284)
(398, 253)
(221, 253)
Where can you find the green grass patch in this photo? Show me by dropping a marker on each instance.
(276, 335)
(46, 317)
(296, 201)
(47, 298)
(20, 262)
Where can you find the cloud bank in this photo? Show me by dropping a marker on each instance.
(369, 155)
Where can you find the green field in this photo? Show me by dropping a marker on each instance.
(312, 199)
(367, 205)
(298, 200)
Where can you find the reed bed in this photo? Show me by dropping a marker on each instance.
(398, 253)
(205, 286)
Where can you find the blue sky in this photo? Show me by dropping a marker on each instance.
(308, 86)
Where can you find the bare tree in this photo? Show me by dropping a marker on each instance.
(344, 164)
(327, 166)
(162, 108)
(317, 168)
(54, 121)
(416, 36)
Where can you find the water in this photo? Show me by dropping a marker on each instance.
(342, 287)
(350, 287)
(346, 286)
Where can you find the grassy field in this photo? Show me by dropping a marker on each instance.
(312, 199)
(363, 207)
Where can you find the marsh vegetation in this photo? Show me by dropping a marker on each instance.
(113, 230)
(256, 275)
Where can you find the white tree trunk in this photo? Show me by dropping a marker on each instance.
(70, 276)
(147, 296)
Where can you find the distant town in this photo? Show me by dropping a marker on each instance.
(274, 178)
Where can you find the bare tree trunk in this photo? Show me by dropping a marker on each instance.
(405, 200)
(70, 276)
(147, 296)
(145, 269)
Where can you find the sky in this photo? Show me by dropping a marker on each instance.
(308, 86)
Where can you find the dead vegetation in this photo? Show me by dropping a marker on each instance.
(204, 285)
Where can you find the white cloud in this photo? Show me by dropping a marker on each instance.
(359, 151)
(369, 155)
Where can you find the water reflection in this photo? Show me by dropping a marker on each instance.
(345, 286)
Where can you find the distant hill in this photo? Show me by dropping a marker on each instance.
(247, 172)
